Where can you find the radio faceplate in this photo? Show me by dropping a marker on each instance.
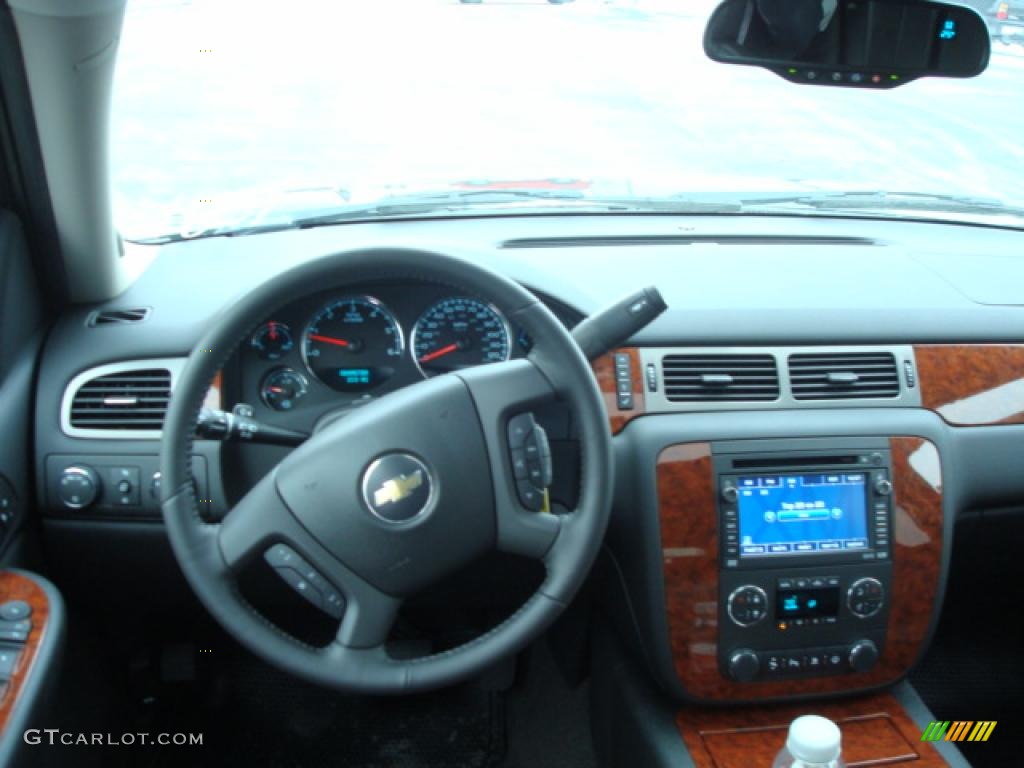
(805, 571)
(800, 509)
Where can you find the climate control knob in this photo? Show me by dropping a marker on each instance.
(79, 486)
(863, 655)
(744, 665)
(747, 605)
(865, 597)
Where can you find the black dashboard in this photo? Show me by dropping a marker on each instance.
(943, 302)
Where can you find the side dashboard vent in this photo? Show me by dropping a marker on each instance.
(702, 378)
(843, 376)
(134, 400)
(117, 316)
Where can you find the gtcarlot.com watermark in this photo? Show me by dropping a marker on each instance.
(55, 736)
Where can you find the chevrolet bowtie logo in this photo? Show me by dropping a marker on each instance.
(397, 488)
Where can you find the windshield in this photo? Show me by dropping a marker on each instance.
(230, 115)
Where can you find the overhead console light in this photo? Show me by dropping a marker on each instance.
(850, 43)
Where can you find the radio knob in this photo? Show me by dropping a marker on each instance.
(883, 486)
(744, 665)
(730, 494)
(863, 655)
(78, 486)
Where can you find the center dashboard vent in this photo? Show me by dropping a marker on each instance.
(702, 378)
(133, 400)
(843, 376)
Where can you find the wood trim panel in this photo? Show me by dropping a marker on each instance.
(689, 541)
(876, 731)
(15, 586)
(604, 370)
(972, 384)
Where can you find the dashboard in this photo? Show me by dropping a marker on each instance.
(863, 376)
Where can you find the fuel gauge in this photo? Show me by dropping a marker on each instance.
(282, 388)
(272, 340)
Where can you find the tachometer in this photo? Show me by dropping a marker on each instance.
(353, 344)
(459, 332)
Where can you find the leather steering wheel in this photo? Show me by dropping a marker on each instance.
(333, 500)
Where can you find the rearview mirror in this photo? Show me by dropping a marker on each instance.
(854, 43)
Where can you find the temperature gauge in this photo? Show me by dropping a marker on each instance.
(283, 388)
(272, 340)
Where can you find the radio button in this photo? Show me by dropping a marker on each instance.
(801, 583)
(883, 486)
(744, 665)
(832, 581)
(729, 493)
(747, 605)
(784, 584)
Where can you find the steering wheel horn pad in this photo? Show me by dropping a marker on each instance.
(399, 492)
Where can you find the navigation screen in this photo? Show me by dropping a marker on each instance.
(802, 514)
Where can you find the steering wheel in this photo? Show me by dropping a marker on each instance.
(402, 491)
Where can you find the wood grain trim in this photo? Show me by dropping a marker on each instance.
(604, 370)
(689, 541)
(972, 384)
(15, 586)
(876, 731)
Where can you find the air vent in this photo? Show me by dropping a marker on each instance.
(133, 400)
(844, 376)
(117, 316)
(701, 378)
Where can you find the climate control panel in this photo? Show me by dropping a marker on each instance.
(782, 623)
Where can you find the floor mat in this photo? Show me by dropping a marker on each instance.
(255, 715)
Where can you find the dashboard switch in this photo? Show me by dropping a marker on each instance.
(79, 486)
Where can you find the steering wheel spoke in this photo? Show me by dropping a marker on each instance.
(256, 523)
(369, 615)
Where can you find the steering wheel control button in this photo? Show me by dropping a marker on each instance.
(305, 579)
(15, 610)
(623, 382)
(519, 427)
(532, 498)
(519, 469)
(747, 605)
(865, 597)
(79, 486)
(398, 488)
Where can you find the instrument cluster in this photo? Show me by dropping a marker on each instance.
(353, 345)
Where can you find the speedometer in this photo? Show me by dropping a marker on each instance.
(459, 332)
(353, 344)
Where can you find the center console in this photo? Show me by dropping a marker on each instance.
(798, 567)
(805, 563)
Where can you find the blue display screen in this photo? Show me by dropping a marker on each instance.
(802, 514)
